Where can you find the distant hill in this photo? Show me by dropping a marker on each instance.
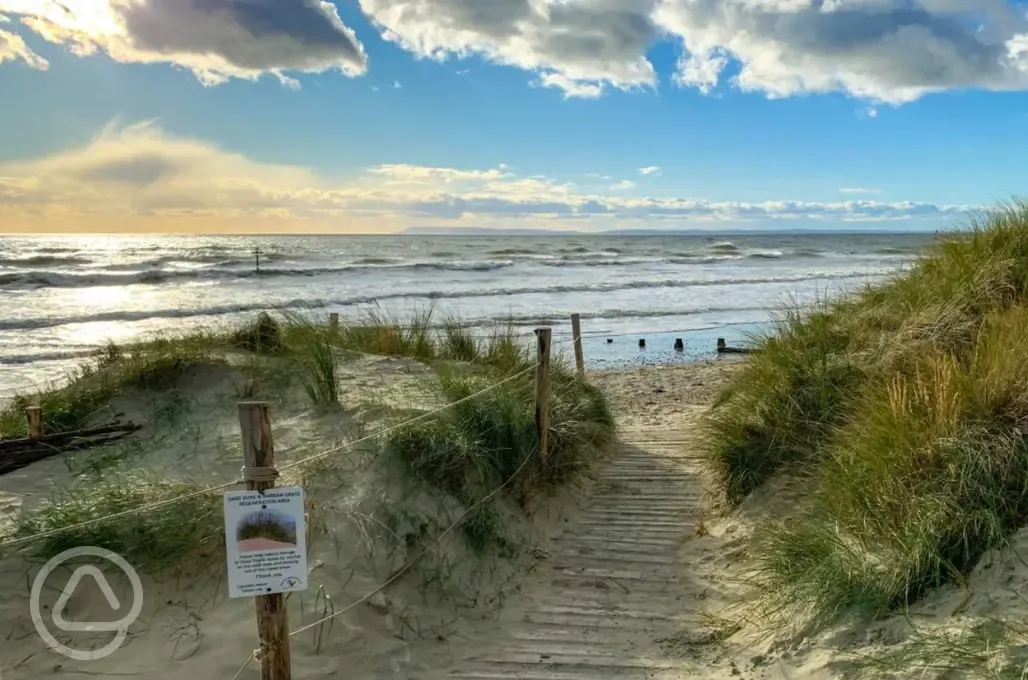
(483, 231)
(486, 231)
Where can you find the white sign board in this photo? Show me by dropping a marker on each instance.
(265, 542)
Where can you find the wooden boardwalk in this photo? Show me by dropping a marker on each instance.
(617, 581)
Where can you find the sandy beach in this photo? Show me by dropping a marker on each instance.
(415, 629)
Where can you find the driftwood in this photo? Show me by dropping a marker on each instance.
(17, 453)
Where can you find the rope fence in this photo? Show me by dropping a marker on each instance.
(235, 482)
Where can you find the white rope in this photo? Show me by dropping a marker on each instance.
(201, 492)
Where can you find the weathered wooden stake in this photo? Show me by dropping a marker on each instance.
(34, 414)
(542, 392)
(721, 345)
(333, 322)
(272, 619)
(576, 335)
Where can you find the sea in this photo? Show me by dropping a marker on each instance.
(63, 297)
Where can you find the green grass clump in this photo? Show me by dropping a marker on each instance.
(379, 332)
(479, 445)
(152, 541)
(900, 411)
(419, 337)
(793, 395)
(315, 354)
(263, 335)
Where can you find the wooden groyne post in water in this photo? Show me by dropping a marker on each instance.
(542, 391)
(333, 322)
(259, 473)
(576, 335)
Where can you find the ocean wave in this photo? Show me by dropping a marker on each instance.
(20, 359)
(42, 261)
(377, 260)
(725, 247)
(511, 251)
(628, 262)
(581, 250)
(23, 324)
(51, 279)
(765, 255)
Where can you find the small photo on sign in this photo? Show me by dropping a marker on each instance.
(265, 530)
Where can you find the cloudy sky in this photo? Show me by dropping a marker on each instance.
(376, 115)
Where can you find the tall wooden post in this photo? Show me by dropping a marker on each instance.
(333, 322)
(34, 415)
(542, 392)
(259, 474)
(576, 335)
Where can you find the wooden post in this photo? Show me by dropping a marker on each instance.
(576, 335)
(34, 414)
(257, 255)
(720, 345)
(333, 322)
(272, 621)
(542, 392)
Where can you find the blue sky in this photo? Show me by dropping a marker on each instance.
(301, 115)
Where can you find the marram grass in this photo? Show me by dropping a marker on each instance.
(901, 411)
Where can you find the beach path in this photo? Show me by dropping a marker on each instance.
(615, 592)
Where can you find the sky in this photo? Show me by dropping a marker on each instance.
(306, 116)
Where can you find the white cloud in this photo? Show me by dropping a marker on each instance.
(215, 39)
(858, 190)
(650, 171)
(13, 48)
(397, 85)
(139, 178)
(881, 50)
(578, 46)
(623, 185)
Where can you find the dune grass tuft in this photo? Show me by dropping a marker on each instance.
(152, 541)
(471, 449)
(157, 366)
(263, 335)
(901, 412)
(312, 346)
